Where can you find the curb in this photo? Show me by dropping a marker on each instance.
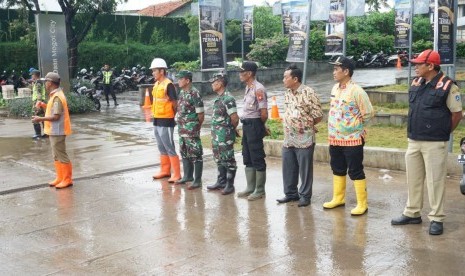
(375, 157)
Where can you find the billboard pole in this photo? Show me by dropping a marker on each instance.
(223, 27)
(451, 69)
(307, 41)
(344, 42)
(412, 12)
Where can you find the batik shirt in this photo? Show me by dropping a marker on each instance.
(302, 107)
(349, 111)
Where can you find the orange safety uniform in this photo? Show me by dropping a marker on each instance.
(162, 107)
(63, 125)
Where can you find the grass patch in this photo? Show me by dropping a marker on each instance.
(392, 88)
(401, 88)
(386, 136)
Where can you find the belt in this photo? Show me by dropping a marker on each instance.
(250, 121)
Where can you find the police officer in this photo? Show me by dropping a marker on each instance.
(223, 130)
(435, 110)
(107, 76)
(38, 96)
(189, 118)
(254, 116)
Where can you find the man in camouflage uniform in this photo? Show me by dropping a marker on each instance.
(189, 118)
(223, 128)
(38, 95)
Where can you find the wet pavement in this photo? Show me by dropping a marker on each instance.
(116, 221)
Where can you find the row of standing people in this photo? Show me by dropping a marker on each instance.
(435, 110)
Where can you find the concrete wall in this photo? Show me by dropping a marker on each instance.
(264, 75)
(383, 158)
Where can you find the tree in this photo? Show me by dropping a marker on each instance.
(376, 5)
(265, 24)
(86, 9)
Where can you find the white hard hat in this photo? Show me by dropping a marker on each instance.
(158, 63)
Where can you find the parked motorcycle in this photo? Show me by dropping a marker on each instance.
(402, 54)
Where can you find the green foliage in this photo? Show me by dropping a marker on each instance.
(21, 29)
(266, 25)
(97, 53)
(21, 107)
(141, 29)
(79, 103)
(269, 50)
(372, 42)
(276, 129)
(422, 28)
(421, 45)
(188, 65)
(193, 25)
(233, 35)
(17, 56)
(372, 23)
(316, 46)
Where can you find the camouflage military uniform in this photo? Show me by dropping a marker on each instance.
(223, 133)
(189, 104)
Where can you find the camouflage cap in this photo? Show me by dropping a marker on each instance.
(184, 74)
(219, 76)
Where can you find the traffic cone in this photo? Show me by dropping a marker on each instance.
(274, 109)
(147, 103)
(399, 63)
(148, 115)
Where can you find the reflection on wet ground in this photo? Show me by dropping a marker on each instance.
(128, 224)
(115, 220)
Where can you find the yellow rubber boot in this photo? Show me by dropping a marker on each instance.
(176, 167)
(165, 167)
(361, 193)
(339, 193)
(67, 176)
(59, 174)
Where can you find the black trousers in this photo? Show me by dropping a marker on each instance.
(109, 90)
(347, 159)
(253, 152)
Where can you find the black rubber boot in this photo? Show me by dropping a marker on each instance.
(188, 168)
(229, 189)
(220, 181)
(198, 170)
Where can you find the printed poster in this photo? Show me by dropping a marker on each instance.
(211, 35)
(335, 28)
(444, 31)
(247, 24)
(298, 31)
(402, 23)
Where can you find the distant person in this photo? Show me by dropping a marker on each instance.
(189, 117)
(57, 127)
(302, 113)
(435, 110)
(164, 109)
(38, 95)
(350, 110)
(107, 87)
(223, 130)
